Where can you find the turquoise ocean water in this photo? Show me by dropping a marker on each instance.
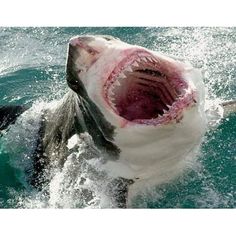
(32, 69)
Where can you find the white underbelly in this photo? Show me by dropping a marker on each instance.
(151, 152)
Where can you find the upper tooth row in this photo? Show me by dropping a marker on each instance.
(140, 60)
(136, 64)
(145, 59)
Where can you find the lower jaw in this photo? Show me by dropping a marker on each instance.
(135, 145)
(174, 115)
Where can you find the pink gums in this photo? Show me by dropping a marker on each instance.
(176, 110)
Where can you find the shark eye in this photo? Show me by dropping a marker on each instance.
(91, 51)
(107, 38)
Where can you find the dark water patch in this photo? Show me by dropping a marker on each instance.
(9, 182)
(29, 84)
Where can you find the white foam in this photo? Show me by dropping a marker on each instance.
(78, 184)
(73, 141)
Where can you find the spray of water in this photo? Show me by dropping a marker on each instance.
(81, 183)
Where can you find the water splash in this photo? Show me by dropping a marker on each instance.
(210, 49)
(80, 183)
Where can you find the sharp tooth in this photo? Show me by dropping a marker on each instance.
(144, 59)
(112, 102)
(174, 104)
(169, 106)
(113, 105)
(117, 83)
(129, 69)
(165, 111)
(155, 60)
(135, 64)
(111, 93)
(122, 75)
(186, 91)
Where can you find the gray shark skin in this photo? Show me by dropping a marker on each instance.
(9, 114)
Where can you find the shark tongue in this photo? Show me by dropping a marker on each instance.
(140, 104)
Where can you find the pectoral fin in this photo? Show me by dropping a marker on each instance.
(9, 114)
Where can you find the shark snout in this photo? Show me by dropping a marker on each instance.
(80, 39)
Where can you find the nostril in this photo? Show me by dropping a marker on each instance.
(91, 51)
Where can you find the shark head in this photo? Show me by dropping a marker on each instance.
(154, 102)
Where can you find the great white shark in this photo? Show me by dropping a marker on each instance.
(144, 111)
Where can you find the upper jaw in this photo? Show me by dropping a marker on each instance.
(138, 70)
(147, 75)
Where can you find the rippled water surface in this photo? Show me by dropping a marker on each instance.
(32, 71)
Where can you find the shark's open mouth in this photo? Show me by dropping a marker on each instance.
(144, 89)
